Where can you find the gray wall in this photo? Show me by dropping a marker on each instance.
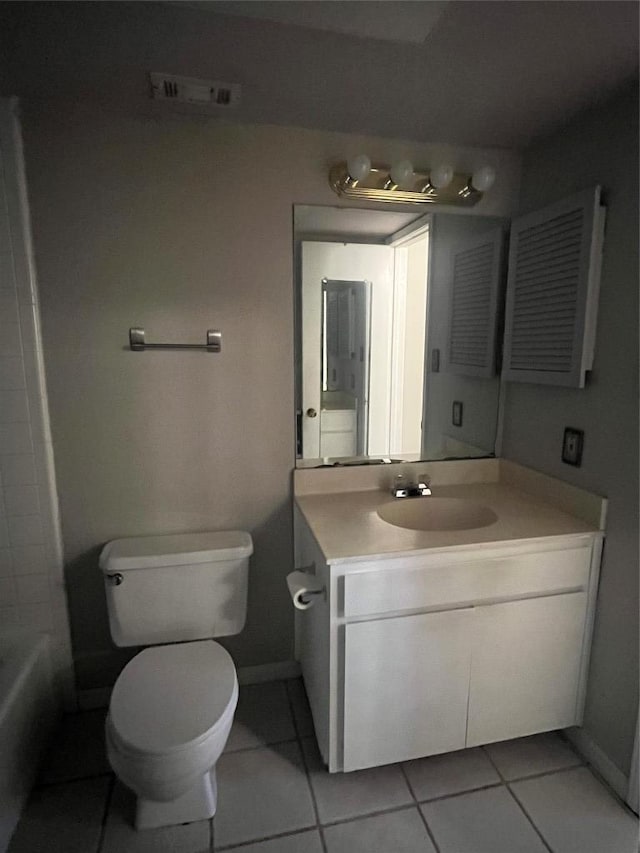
(600, 147)
(158, 222)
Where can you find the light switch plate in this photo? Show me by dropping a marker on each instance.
(572, 445)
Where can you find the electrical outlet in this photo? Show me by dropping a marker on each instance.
(572, 445)
(456, 413)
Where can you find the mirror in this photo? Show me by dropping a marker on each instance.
(398, 316)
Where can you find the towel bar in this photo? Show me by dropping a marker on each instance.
(137, 342)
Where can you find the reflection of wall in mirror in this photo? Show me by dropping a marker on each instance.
(477, 435)
(413, 329)
(345, 367)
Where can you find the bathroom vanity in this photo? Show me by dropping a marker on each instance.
(431, 640)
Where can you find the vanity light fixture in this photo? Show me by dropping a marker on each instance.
(358, 168)
(400, 183)
(481, 181)
(439, 179)
(400, 174)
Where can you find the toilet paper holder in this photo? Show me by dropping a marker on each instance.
(304, 587)
(307, 598)
(310, 593)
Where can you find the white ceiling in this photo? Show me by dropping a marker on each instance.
(483, 73)
(389, 21)
(494, 72)
(350, 223)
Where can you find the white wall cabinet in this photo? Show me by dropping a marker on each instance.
(428, 654)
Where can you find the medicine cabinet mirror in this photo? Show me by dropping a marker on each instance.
(398, 334)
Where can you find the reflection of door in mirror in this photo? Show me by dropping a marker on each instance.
(345, 368)
(360, 399)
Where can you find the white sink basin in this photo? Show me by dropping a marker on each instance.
(429, 513)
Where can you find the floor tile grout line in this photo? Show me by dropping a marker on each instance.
(314, 802)
(455, 794)
(542, 774)
(417, 805)
(341, 822)
(90, 777)
(494, 765)
(581, 763)
(611, 791)
(292, 704)
(530, 819)
(260, 745)
(105, 815)
(366, 815)
(288, 834)
(519, 804)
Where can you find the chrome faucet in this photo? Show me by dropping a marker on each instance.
(404, 488)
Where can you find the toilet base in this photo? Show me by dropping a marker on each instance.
(199, 803)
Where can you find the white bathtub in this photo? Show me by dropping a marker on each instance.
(28, 713)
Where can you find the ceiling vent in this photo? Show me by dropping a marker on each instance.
(189, 90)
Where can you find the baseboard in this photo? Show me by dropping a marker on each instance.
(278, 671)
(98, 697)
(601, 762)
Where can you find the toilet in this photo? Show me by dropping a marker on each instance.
(172, 706)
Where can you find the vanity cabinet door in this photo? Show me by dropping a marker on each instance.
(406, 685)
(526, 666)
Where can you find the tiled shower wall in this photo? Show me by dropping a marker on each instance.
(32, 594)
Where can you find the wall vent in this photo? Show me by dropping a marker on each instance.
(188, 90)
(475, 287)
(552, 291)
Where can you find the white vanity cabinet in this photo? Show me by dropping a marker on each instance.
(426, 653)
(406, 686)
(525, 669)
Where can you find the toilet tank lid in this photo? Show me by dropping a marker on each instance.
(149, 552)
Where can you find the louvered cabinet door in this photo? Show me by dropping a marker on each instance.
(473, 316)
(552, 292)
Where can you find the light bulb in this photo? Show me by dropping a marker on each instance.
(483, 178)
(401, 171)
(358, 167)
(441, 176)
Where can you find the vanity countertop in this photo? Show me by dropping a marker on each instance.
(347, 527)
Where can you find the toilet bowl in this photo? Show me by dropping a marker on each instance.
(169, 718)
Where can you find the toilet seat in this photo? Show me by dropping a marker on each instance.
(170, 700)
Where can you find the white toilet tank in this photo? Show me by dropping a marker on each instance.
(165, 589)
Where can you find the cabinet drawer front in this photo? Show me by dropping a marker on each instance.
(459, 584)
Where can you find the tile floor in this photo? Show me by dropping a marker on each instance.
(533, 795)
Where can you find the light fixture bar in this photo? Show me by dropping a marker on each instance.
(459, 192)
